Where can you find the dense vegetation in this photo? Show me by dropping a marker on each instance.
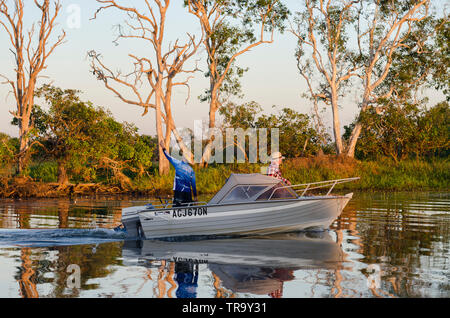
(398, 140)
(76, 142)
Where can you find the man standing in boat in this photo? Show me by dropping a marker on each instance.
(274, 168)
(184, 182)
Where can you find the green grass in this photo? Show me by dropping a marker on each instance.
(381, 175)
(44, 172)
(406, 175)
(385, 175)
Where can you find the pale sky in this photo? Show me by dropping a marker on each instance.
(272, 78)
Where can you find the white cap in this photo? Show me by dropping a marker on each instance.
(277, 155)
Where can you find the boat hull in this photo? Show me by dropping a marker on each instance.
(260, 218)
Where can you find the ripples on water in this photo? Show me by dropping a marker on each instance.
(383, 245)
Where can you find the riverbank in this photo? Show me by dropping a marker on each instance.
(382, 175)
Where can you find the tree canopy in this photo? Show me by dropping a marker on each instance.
(86, 140)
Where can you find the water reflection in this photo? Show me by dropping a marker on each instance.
(383, 245)
(27, 276)
(64, 213)
(299, 250)
(258, 265)
(401, 239)
(44, 272)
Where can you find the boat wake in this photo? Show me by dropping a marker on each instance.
(59, 237)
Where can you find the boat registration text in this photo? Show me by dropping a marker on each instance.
(184, 212)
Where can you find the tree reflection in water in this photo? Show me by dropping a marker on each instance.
(383, 245)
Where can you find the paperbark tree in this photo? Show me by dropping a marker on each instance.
(31, 49)
(316, 117)
(158, 71)
(422, 61)
(440, 75)
(383, 28)
(322, 30)
(225, 41)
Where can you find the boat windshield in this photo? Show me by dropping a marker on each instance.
(245, 188)
(243, 193)
(274, 194)
(250, 193)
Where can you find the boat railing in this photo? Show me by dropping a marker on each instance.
(169, 204)
(305, 187)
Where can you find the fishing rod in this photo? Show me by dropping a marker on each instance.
(154, 188)
(121, 227)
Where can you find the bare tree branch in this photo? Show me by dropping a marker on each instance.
(145, 25)
(211, 17)
(31, 50)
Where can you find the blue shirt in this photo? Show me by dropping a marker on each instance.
(184, 175)
(187, 285)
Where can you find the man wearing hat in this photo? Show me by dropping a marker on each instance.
(274, 168)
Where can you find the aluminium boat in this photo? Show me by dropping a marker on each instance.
(247, 204)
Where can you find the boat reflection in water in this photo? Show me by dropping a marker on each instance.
(257, 265)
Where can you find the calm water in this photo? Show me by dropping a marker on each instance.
(383, 245)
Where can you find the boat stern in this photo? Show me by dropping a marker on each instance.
(131, 222)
